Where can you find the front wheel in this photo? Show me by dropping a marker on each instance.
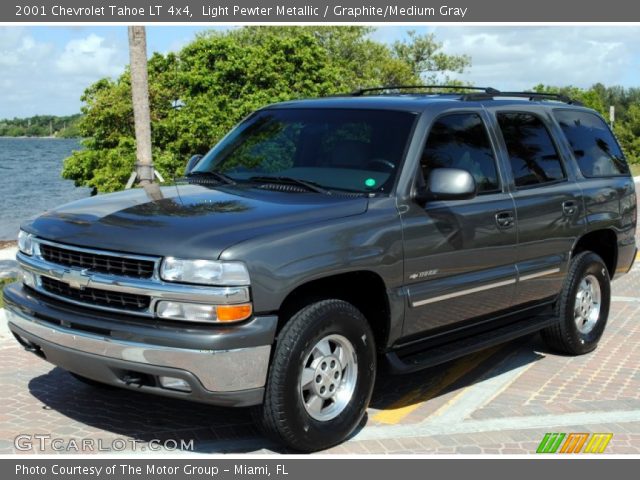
(583, 306)
(321, 377)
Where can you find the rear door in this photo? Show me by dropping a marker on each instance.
(459, 255)
(548, 202)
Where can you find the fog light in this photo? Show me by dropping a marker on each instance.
(198, 312)
(172, 383)
(28, 278)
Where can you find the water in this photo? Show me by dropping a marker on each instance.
(30, 181)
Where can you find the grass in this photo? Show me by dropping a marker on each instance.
(635, 169)
(3, 282)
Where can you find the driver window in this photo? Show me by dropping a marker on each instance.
(460, 140)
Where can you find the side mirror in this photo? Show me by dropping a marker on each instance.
(447, 184)
(191, 164)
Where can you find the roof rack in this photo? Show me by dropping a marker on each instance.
(479, 93)
(362, 91)
(559, 97)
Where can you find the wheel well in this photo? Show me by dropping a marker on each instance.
(602, 242)
(365, 290)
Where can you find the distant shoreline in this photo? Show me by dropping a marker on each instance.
(48, 137)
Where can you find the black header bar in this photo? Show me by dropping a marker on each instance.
(317, 11)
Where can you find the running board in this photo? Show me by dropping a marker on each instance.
(414, 361)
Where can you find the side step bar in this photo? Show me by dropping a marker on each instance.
(430, 357)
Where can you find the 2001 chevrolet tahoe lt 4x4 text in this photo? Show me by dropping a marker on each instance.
(321, 236)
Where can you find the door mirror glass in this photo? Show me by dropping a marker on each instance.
(447, 184)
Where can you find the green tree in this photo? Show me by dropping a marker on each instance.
(220, 78)
(628, 133)
(40, 126)
(592, 98)
(600, 98)
(424, 55)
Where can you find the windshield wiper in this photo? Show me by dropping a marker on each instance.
(221, 177)
(310, 186)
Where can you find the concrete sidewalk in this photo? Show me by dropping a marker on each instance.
(8, 264)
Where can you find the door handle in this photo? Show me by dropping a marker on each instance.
(569, 207)
(505, 219)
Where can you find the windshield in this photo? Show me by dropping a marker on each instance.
(338, 149)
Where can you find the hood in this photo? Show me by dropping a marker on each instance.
(188, 221)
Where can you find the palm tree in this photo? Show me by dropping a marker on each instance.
(140, 96)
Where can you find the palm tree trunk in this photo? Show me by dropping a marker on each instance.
(140, 97)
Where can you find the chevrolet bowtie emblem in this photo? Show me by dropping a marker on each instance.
(78, 279)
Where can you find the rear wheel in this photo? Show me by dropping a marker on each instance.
(583, 306)
(321, 377)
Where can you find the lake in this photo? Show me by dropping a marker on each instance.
(30, 181)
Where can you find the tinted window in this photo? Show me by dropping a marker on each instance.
(460, 141)
(533, 156)
(594, 147)
(354, 150)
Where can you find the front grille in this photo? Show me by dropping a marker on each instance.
(102, 298)
(94, 262)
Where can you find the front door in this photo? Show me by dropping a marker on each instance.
(459, 255)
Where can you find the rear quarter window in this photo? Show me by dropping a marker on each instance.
(594, 146)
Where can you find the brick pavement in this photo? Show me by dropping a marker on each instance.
(431, 416)
(501, 401)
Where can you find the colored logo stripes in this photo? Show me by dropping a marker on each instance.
(574, 443)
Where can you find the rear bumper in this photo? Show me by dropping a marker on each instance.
(233, 376)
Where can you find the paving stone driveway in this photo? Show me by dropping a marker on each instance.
(498, 401)
(502, 400)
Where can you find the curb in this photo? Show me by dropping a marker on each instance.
(5, 334)
(8, 264)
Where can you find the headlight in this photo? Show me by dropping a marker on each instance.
(25, 243)
(204, 272)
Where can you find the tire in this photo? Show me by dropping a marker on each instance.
(587, 272)
(91, 382)
(298, 415)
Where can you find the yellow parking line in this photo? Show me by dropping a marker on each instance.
(414, 399)
(461, 394)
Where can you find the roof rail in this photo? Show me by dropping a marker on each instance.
(479, 93)
(362, 91)
(559, 97)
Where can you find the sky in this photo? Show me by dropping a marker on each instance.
(44, 70)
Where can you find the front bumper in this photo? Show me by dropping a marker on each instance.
(222, 366)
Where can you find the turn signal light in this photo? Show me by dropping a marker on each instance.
(233, 313)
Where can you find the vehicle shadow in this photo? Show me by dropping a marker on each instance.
(109, 413)
(398, 391)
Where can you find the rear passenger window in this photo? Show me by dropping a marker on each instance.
(460, 141)
(532, 153)
(593, 145)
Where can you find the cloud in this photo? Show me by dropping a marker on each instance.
(90, 56)
(46, 74)
(17, 48)
(21, 60)
(513, 58)
(46, 69)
